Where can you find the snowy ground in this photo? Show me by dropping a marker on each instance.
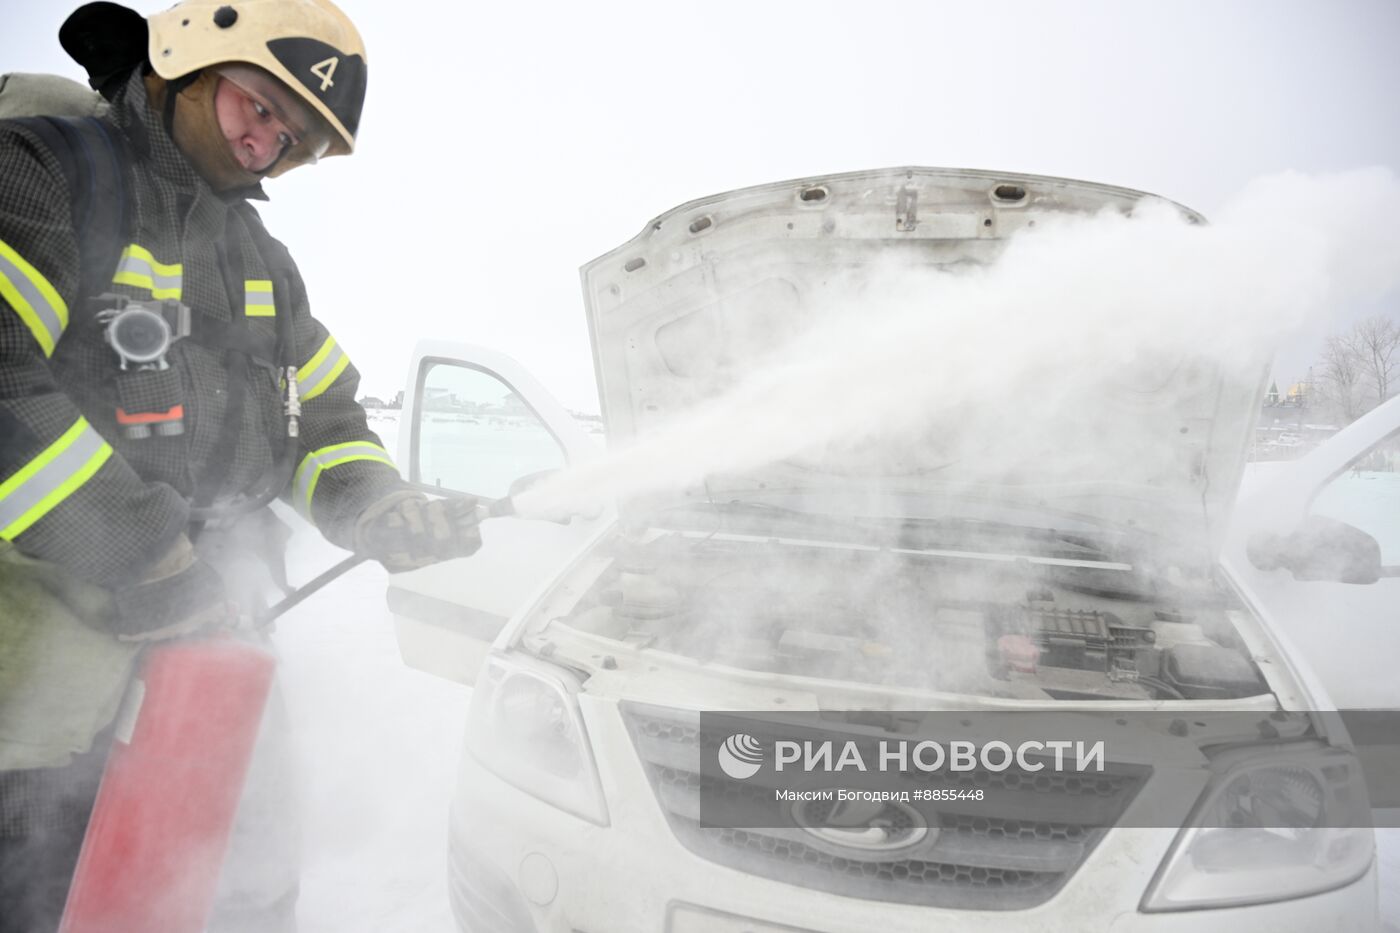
(379, 753)
(380, 744)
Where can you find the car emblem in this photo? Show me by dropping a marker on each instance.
(863, 826)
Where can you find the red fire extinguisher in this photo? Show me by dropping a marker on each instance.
(164, 811)
(161, 823)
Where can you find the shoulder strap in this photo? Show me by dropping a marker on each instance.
(96, 164)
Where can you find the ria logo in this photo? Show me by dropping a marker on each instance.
(740, 756)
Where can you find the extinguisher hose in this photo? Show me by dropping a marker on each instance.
(497, 509)
(308, 589)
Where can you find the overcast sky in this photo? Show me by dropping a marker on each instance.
(504, 145)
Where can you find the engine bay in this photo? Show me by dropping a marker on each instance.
(1016, 628)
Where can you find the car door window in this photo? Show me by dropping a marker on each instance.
(1366, 495)
(473, 433)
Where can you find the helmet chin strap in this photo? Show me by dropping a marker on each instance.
(263, 173)
(173, 88)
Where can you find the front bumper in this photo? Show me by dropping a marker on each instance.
(518, 865)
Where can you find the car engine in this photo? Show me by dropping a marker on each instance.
(982, 624)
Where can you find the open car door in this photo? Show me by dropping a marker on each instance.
(1317, 549)
(475, 422)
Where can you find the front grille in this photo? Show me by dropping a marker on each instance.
(1013, 859)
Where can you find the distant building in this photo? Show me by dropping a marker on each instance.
(592, 423)
(513, 404)
(1289, 429)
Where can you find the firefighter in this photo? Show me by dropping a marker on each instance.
(160, 380)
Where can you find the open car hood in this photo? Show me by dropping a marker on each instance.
(683, 311)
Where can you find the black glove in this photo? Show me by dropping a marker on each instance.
(405, 531)
(180, 595)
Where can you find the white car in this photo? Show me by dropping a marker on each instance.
(594, 646)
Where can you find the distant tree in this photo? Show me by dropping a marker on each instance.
(1376, 342)
(1361, 368)
(1339, 380)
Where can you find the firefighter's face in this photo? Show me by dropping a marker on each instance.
(255, 135)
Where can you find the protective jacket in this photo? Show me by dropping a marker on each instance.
(84, 507)
(74, 489)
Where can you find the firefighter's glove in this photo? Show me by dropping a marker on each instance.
(180, 595)
(405, 531)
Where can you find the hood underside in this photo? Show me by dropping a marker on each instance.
(707, 293)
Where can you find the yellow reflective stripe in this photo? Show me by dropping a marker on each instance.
(140, 269)
(316, 477)
(35, 300)
(329, 380)
(165, 270)
(48, 479)
(322, 370)
(257, 298)
(317, 360)
(314, 464)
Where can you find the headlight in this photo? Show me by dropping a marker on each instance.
(1269, 829)
(524, 725)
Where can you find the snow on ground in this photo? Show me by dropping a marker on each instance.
(378, 760)
(1363, 499)
(379, 749)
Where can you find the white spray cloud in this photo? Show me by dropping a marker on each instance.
(1077, 309)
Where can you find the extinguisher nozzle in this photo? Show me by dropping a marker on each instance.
(501, 507)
